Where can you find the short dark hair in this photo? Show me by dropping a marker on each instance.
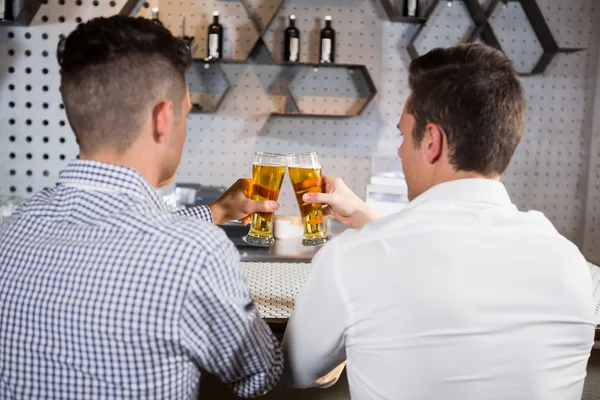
(473, 93)
(113, 70)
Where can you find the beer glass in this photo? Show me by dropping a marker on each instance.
(268, 170)
(305, 173)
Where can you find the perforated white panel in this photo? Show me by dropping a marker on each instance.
(550, 170)
(591, 245)
(274, 286)
(35, 138)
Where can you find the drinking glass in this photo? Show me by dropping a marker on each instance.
(268, 170)
(306, 176)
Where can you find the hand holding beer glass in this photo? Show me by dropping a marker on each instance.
(268, 170)
(306, 176)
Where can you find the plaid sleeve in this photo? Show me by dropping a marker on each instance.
(201, 212)
(222, 328)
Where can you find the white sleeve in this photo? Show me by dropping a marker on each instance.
(314, 340)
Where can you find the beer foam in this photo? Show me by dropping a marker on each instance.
(266, 164)
(307, 166)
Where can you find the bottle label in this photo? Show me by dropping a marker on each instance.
(293, 49)
(2, 9)
(326, 50)
(213, 45)
(412, 8)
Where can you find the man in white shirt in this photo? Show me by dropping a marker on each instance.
(460, 296)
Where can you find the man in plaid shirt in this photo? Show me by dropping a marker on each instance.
(103, 292)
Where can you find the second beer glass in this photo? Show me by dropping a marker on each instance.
(268, 170)
(306, 176)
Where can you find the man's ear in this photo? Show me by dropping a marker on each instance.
(433, 142)
(162, 116)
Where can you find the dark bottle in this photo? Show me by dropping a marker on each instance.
(411, 8)
(215, 39)
(327, 52)
(155, 16)
(189, 40)
(291, 47)
(6, 10)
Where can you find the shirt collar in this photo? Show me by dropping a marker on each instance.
(477, 190)
(95, 175)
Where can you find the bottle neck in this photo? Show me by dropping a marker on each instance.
(328, 24)
(293, 23)
(215, 19)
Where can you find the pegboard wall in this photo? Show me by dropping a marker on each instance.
(591, 244)
(555, 169)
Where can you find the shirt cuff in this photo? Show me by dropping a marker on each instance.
(201, 212)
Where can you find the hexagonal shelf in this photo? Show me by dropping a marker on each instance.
(351, 91)
(511, 31)
(353, 87)
(24, 12)
(207, 85)
(276, 80)
(519, 29)
(524, 34)
(448, 23)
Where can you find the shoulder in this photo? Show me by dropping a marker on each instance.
(357, 240)
(199, 233)
(198, 238)
(349, 250)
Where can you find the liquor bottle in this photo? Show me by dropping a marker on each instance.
(215, 39)
(291, 48)
(155, 16)
(6, 10)
(189, 40)
(327, 52)
(411, 8)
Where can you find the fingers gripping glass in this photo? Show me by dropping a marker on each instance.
(306, 176)
(268, 170)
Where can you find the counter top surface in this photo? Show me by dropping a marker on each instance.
(274, 286)
(288, 250)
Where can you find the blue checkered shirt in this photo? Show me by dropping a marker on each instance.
(106, 294)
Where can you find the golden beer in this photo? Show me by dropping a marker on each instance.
(266, 184)
(307, 179)
(268, 171)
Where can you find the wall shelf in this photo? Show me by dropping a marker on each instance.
(306, 97)
(353, 90)
(207, 84)
(351, 93)
(465, 10)
(532, 15)
(409, 20)
(348, 97)
(482, 27)
(25, 11)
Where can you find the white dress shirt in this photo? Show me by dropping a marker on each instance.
(458, 297)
